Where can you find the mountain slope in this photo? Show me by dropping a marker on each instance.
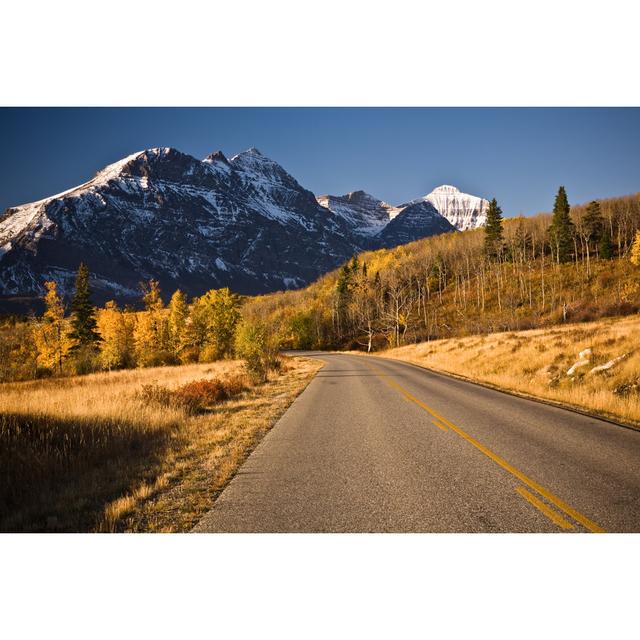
(365, 214)
(415, 221)
(244, 223)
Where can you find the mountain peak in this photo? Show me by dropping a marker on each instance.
(446, 189)
(216, 156)
(252, 157)
(252, 153)
(359, 195)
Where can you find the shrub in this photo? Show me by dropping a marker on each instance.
(236, 384)
(155, 394)
(195, 396)
(258, 349)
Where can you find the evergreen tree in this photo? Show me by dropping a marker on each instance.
(493, 235)
(605, 247)
(593, 222)
(562, 228)
(83, 314)
(343, 285)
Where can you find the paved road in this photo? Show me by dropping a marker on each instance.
(379, 445)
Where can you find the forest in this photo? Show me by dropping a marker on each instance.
(576, 264)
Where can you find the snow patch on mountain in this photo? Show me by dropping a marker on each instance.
(365, 214)
(462, 210)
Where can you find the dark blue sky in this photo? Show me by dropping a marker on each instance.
(519, 156)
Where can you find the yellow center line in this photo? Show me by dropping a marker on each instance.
(440, 426)
(532, 484)
(556, 518)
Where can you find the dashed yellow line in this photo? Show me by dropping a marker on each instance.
(555, 517)
(532, 484)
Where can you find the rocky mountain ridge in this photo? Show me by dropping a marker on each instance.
(193, 224)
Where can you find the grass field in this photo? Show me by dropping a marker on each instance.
(121, 451)
(537, 363)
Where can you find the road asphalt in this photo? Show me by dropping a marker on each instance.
(377, 445)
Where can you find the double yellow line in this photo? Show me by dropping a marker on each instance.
(443, 424)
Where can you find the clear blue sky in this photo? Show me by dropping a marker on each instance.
(519, 156)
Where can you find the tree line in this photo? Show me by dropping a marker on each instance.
(90, 338)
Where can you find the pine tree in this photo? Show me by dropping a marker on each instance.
(344, 286)
(605, 247)
(593, 222)
(493, 235)
(635, 250)
(562, 228)
(83, 314)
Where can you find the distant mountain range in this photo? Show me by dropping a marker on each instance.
(196, 224)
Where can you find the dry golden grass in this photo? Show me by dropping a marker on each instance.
(88, 453)
(536, 362)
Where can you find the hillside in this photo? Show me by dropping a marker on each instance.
(593, 366)
(445, 286)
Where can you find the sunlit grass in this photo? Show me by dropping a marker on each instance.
(92, 453)
(536, 363)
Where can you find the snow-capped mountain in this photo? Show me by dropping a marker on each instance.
(243, 223)
(462, 210)
(365, 214)
(194, 224)
(415, 221)
(444, 209)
